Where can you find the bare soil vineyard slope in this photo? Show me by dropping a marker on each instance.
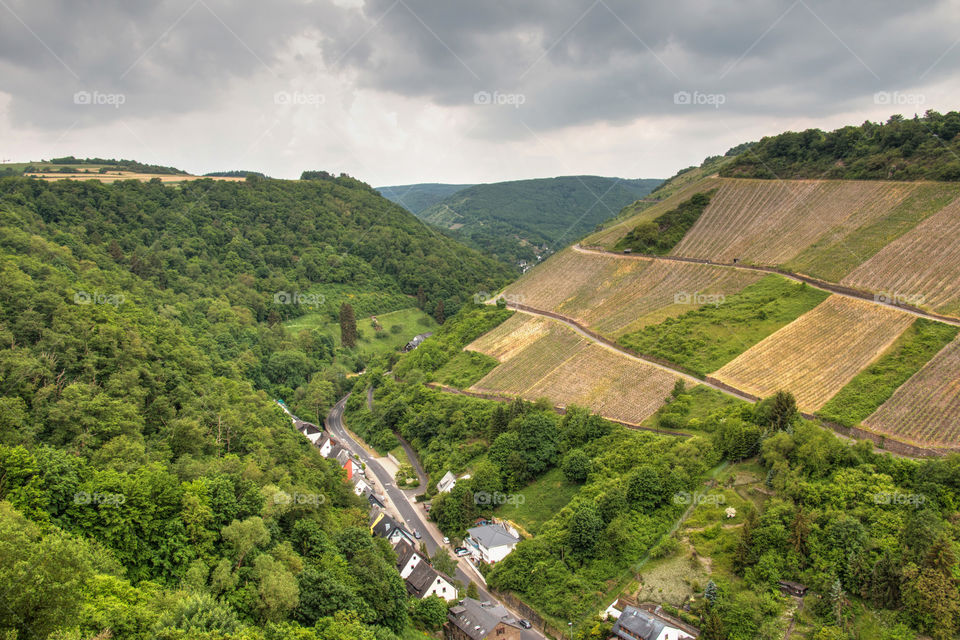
(922, 266)
(768, 222)
(609, 236)
(567, 369)
(613, 294)
(926, 409)
(819, 353)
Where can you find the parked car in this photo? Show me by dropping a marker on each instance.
(525, 623)
(446, 540)
(461, 551)
(417, 534)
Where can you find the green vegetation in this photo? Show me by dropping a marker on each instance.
(529, 219)
(149, 485)
(661, 235)
(539, 501)
(465, 368)
(921, 148)
(86, 164)
(705, 339)
(417, 197)
(875, 384)
(835, 258)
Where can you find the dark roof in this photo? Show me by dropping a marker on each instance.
(638, 623)
(492, 535)
(373, 499)
(421, 578)
(405, 551)
(387, 525)
(334, 451)
(307, 427)
(478, 619)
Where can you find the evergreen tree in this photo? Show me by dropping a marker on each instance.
(348, 326)
(711, 592)
(438, 314)
(421, 298)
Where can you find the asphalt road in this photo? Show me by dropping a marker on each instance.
(403, 501)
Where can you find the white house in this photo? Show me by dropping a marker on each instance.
(491, 543)
(407, 558)
(312, 432)
(637, 624)
(326, 445)
(360, 485)
(425, 581)
(447, 482)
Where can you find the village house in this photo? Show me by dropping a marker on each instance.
(447, 482)
(326, 445)
(383, 526)
(413, 344)
(491, 542)
(637, 624)
(474, 620)
(312, 432)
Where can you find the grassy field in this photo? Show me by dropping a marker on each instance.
(818, 354)
(410, 321)
(542, 499)
(705, 339)
(465, 369)
(875, 384)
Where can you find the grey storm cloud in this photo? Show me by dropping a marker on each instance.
(570, 63)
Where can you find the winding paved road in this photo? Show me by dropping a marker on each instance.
(411, 514)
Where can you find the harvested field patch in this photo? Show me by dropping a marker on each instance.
(815, 356)
(770, 222)
(926, 409)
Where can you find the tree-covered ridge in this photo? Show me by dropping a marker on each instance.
(148, 483)
(515, 220)
(919, 148)
(417, 197)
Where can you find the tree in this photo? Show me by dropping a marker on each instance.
(348, 326)
(442, 561)
(429, 612)
(576, 465)
(585, 528)
(421, 298)
(472, 591)
(645, 488)
(780, 411)
(711, 592)
(245, 536)
(438, 313)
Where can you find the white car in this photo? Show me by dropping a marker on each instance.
(446, 540)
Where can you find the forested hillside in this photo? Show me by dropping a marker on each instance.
(528, 219)
(417, 197)
(149, 486)
(918, 148)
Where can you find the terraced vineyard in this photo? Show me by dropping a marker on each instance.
(566, 368)
(815, 356)
(616, 294)
(770, 222)
(926, 409)
(922, 266)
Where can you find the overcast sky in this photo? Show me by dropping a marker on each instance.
(400, 91)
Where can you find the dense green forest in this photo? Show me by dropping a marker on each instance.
(875, 537)
(417, 197)
(919, 148)
(149, 486)
(527, 219)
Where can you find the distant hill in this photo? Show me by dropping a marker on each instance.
(417, 197)
(921, 148)
(525, 220)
